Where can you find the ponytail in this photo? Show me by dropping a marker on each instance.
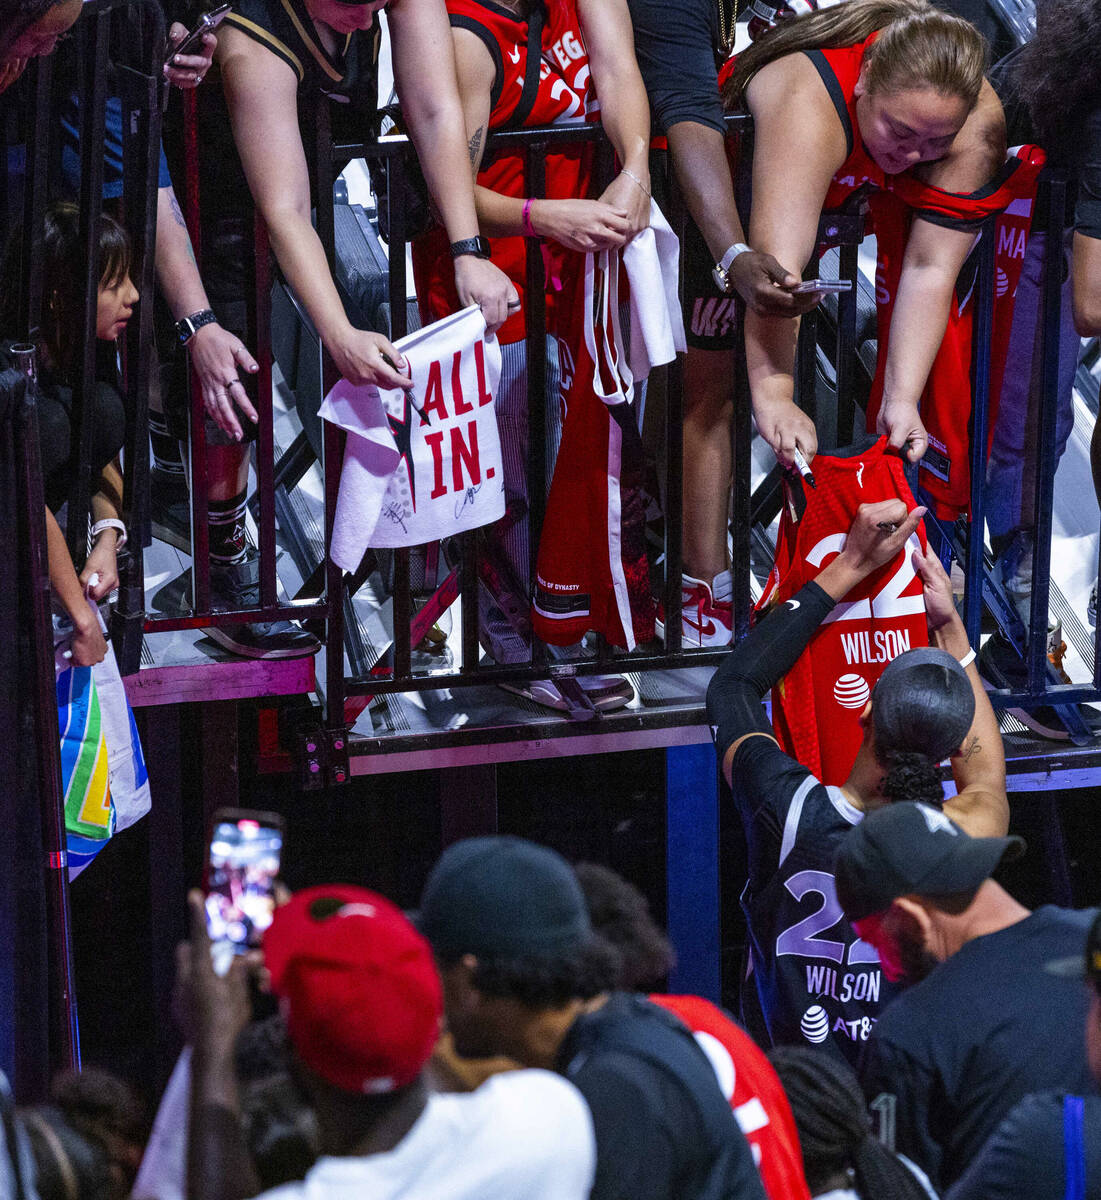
(909, 776)
(919, 46)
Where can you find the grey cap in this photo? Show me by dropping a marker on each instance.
(923, 703)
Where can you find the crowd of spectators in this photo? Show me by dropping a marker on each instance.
(928, 1033)
(894, 99)
(557, 1077)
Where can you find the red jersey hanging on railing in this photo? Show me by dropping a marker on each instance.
(816, 707)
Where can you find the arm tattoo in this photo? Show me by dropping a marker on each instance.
(975, 747)
(177, 213)
(475, 145)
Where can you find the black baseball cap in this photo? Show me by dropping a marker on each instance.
(1085, 966)
(907, 849)
(502, 897)
(923, 703)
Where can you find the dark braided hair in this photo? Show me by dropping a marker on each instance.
(910, 776)
(835, 1131)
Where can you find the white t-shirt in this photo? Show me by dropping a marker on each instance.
(523, 1135)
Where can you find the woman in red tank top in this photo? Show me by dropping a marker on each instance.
(887, 92)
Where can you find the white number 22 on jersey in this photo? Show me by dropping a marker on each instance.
(889, 602)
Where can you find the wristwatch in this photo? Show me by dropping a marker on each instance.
(186, 328)
(478, 246)
(721, 271)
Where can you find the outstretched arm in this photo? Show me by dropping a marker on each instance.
(216, 354)
(262, 95)
(793, 163)
(213, 1010)
(980, 805)
(771, 648)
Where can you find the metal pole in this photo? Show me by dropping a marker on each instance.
(982, 332)
(64, 1030)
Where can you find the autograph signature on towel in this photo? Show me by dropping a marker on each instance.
(395, 512)
(467, 498)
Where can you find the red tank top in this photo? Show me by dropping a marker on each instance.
(754, 1091)
(557, 89)
(816, 707)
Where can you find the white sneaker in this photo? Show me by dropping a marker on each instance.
(706, 612)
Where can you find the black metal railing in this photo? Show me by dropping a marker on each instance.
(832, 333)
(828, 337)
(38, 1026)
(393, 671)
(115, 54)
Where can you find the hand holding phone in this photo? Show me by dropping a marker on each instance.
(193, 39)
(242, 867)
(826, 286)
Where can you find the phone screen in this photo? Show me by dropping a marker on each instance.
(243, 867)
(825, 286)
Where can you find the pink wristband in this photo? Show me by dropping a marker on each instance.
(525, 219)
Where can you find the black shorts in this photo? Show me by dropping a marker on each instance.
(710, 316)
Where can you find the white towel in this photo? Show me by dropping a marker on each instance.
(652, 259)
(423, 464)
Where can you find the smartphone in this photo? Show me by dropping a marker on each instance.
(242, 867)
(825, 286)
(207, 23)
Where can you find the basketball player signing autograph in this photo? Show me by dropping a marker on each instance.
(810, 978)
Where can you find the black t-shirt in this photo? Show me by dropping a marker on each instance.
(1025, 1160)
(954, 1053)
(348, 78)
(676, 42)
(814, 980)
(664, 1130)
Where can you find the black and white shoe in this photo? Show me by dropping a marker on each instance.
(235, 587)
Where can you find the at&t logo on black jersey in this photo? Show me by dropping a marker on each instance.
(841, 973)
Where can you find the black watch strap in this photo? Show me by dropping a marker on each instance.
(478, 246)
(186, 328)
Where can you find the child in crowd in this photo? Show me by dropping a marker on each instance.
(62, 271)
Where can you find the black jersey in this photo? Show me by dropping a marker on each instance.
(286, 28)
(811, 979)
(348, 78)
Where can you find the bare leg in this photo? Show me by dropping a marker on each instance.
(708, 469)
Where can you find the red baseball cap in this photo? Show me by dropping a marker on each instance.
(358, 987)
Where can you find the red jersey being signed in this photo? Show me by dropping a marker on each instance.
(816, 707)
